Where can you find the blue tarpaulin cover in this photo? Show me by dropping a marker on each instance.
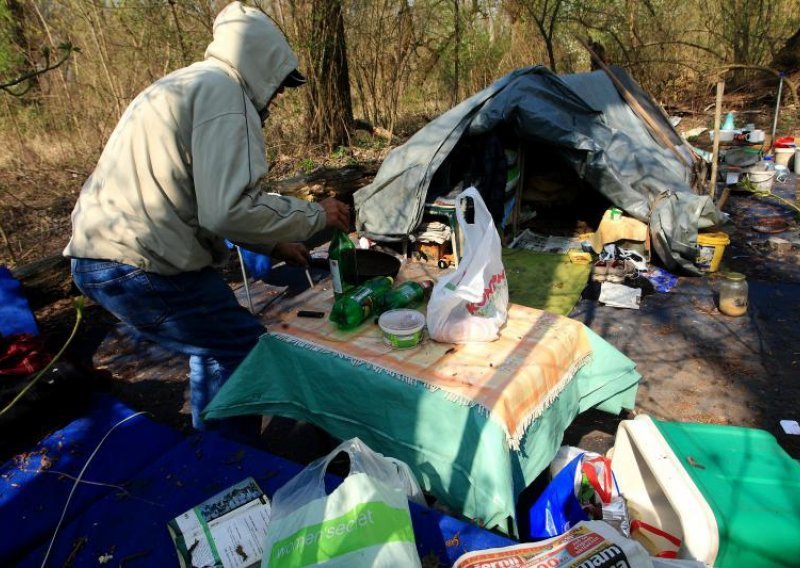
(144, 475)
(15, 314)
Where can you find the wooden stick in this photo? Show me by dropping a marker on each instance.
(726, 193)
(634, 104)
(712, 186)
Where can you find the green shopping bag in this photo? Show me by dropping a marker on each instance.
(363, 522)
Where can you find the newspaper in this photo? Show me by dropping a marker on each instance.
(588, 544)
(225, 531)
(620, 296)
(529, 240)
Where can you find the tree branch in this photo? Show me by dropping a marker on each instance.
(66, 49)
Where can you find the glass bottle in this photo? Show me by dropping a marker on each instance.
(407, 293)
(341, 259)
(352, 308)
(733, 294)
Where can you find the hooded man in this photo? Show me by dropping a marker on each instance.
(181, 173)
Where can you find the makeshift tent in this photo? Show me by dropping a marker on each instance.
(595, 135)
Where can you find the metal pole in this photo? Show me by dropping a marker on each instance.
(712, 186)
(244, 279)
(777, 110)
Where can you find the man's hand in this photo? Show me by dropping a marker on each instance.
(337, 214)
(293, 253)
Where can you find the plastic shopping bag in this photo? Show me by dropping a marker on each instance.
(363, 522)
(471, 304)
(584, 489)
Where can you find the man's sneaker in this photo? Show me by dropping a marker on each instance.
(616, 271)
(600, 271)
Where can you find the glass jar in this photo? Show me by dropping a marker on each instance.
(733, 294)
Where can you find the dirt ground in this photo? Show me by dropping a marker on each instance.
(696, 364)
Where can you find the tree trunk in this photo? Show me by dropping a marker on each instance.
(456, 70)
(788, 58)
(330, 108)
(326, 182)
(45, 281)
(18, 27)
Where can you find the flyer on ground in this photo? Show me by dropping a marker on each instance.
(225, 531)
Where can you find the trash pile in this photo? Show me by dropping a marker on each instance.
(661, 498)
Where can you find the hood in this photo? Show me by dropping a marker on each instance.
(249, 41)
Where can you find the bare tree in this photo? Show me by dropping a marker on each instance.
(382, 40)
(330, 108)
(545, 15)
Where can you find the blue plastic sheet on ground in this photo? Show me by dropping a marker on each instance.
(34, 485)
(152, 474)
(662, 280)
(15, 314)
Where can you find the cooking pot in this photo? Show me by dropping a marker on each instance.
(369, 264)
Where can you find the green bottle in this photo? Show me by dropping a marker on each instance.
(359, 303)
(342, 258)
(406, 294)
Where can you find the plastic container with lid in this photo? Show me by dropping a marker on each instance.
(402, 328)
(733, 294)
(783, 155)
(710, 248)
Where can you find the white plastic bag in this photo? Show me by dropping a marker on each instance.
(471, 304)
(363, 522)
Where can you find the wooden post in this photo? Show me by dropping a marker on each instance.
(712, 186)
(726, 193)
(515, 213)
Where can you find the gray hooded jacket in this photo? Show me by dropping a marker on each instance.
(181, 171)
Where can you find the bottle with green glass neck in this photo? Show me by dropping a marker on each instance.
(342, 258)
(406, 294)
(352, 308)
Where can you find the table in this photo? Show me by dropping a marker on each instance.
(458, 453)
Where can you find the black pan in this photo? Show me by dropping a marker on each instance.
(373, 263)
(369, 264)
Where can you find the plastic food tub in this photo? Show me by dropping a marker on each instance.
(402, 328)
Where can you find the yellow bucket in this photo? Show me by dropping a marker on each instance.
(710, 248)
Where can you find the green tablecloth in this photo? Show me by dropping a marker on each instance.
(456, 452)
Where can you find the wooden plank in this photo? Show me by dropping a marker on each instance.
(635, 106)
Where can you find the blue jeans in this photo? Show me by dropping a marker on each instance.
(195, 313)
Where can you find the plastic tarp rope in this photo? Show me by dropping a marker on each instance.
(596, 133)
